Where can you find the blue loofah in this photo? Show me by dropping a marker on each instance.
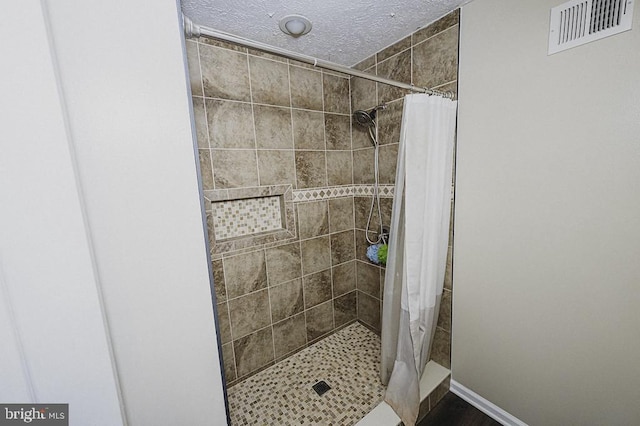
(372, 253)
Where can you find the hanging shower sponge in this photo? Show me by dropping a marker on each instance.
(372, 254)
(377, 253)
(382, 253)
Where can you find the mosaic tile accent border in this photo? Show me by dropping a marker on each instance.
(347, 361)
(317, 194)
(238, 218)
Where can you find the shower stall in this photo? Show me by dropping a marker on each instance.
(297, 166)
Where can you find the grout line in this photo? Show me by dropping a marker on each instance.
(206, 118)
(293, 142)
(200, 70)
(233, 350)
(253, 122)
(273, 336)
(324, 132)
(444, 84)
(304, 311)
(268, 105)
(434, 35)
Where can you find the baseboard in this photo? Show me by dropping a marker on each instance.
(487, 407)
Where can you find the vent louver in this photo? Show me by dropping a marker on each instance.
(582, 21)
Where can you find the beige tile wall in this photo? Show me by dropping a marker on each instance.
(427, 58)
(262, 120)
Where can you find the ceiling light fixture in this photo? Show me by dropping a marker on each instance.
(295, 25)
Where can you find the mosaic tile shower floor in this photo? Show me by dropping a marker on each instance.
(282, 395)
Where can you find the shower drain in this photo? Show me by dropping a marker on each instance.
(321, 387)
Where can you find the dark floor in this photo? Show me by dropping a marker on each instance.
(455, 411)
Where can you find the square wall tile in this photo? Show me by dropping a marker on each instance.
(245, 273)
(448, 273)
(273, 127)
(311, 171)
(249, 313)
(222, 44)
(308, 130)
(344, 278)
(345, 309)
(206, 174)
(229, 362)
(289, 335)
(341, 214)
(395, 68)
(388, 158)
(193, 63)
(363, 171)
(363, 93)
(316, 255)
(235, 168)
(362, 244)
(286, 299)
(317, 288)
(225, 73)
(338, 131)
(254, 351)
(223, 322)
(342, 247)
(283, 263)
(386, 207)
(435, 61)
(339, 168)
(230, 124)
(368, 279)
(269, 82)
(365, 63)
(306, 88)
(319, 320)
(360, 137)
(395, 48)
(336, 94)
(218, 281)
(276, 167)
(444, 316)
(441, 348)
(200, 119)
(369, 310)
(313, 219)
(259, 53)
(362, 209)
(389, 122)
(440, 25)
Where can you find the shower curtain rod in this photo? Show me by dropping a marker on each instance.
(194, 30)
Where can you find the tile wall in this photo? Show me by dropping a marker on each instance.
(262, 120)
(426, 58)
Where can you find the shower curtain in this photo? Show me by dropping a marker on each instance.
(417, 248)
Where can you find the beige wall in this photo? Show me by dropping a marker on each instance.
(547, 240)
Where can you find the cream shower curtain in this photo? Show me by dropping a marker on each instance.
(417, 248)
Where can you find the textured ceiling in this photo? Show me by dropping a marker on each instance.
(344, 32)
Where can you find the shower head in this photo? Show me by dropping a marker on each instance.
(364, 118)
(367, 118)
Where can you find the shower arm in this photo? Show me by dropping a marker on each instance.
(193, 30)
